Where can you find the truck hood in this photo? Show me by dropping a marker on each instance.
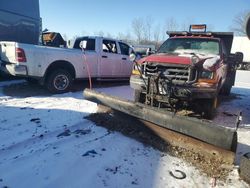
(167, 58)
(208, 62)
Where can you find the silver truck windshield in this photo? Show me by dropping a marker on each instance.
(190, 45)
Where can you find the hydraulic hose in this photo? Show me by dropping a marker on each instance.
(87, 67)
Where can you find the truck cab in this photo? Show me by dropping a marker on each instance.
(189, 70)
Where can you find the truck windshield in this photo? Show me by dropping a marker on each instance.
(190, 45)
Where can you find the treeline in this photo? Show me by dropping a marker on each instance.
(147, 31)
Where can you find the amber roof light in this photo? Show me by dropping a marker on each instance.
(200, 27)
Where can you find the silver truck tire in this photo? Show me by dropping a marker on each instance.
(59, 81)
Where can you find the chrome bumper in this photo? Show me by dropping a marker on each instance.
(13, 69)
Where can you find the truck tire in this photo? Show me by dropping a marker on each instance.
(226, 90)
(59, 81)
(210, 106)
(229, 82)
(138, 96)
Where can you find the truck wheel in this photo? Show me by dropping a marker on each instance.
(138, 96)
(226, 90)
(209, 109)
(59, 81)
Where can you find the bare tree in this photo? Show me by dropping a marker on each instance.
(239, 21)
(171, 24)
(186, 24)
(99, 33)
(157, 32)
(108, 35)
(120, 36)
(125, 37)
(138, 26)
(84, 33)
(147, 27)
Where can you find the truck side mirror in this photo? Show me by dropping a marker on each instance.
(149, 51)
(239, 57)
(82, 45)
(134, 57)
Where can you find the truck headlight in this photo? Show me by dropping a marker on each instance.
(206, 75)
(195, 59)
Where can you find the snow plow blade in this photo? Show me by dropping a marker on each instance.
(205, 131)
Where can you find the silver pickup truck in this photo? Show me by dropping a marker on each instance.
(56, 68)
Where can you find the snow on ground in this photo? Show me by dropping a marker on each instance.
(46, 142)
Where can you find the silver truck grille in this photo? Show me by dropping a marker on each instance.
(176, 73)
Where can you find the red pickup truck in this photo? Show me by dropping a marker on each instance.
(188, 71)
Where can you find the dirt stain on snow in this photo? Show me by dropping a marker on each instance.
(77, 132)
(91, 153)
(130, 127)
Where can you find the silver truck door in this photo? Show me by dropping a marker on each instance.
(109, 65)
(89, 56)
(126, 64)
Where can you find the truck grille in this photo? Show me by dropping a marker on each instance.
(178, 74)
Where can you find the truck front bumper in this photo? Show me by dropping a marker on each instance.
(184, 92)
(14, 69)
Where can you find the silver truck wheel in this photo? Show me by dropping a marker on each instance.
(59, 81)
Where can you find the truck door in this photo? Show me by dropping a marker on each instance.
(126, 64)
(109, 65)
(89, 57)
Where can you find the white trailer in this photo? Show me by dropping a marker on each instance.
(242, 44)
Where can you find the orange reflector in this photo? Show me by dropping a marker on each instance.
(135, 72)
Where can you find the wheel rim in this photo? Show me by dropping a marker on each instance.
(61, 82)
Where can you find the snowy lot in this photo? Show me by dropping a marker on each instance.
(46, 142)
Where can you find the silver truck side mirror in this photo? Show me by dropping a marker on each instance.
(134, 57)
(148, 52)
(82, 45)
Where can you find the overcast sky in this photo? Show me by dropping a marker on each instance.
(78, 17)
